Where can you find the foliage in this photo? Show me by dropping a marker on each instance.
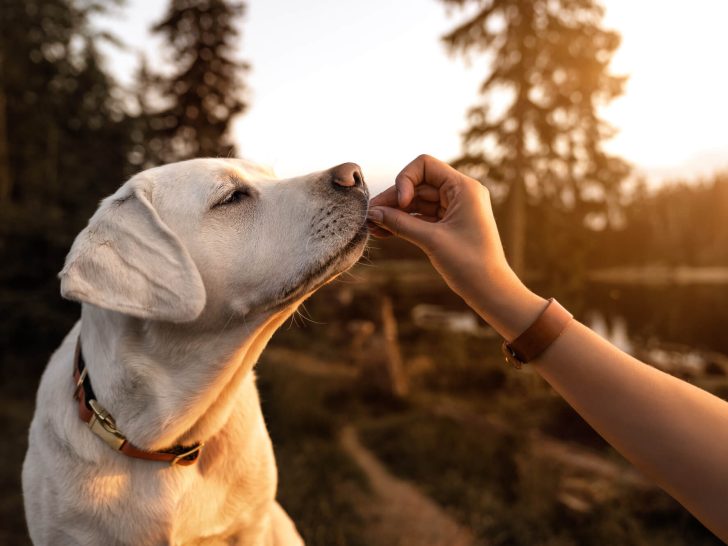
(508, 495)
(318, 483)
(679, 223)
(536, 135)
(67, 138)
(61, 115)
(204, 91)
(63, 145)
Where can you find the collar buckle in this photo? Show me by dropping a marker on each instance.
(102, 424)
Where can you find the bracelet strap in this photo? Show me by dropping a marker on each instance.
(549, 325)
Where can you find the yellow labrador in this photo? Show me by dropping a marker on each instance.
(148, 428)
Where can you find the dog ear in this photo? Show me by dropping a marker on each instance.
(128, 260)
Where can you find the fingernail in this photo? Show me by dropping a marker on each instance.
(375, 215)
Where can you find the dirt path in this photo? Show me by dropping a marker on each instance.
(400, 514)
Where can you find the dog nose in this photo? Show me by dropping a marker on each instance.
(347, 175)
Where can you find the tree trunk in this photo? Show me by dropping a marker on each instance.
(51, 163)
(515, 235)
(515, 246)
(399, 386)
(6, 183)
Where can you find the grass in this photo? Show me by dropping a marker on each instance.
(506, 495)
(318, 484)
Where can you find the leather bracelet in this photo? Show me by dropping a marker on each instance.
(538, 337)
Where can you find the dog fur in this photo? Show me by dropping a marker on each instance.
(184, 274)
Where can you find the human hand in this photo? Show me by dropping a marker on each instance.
(449, 216)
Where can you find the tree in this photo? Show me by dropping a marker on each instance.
(63, 145)
(146, 150)
(98, 128)
(678, 224)
(5, 179)
(206, 91)
(43, 49)
(536, 134)
(32, 63)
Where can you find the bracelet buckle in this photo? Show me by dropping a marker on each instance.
(511, 357)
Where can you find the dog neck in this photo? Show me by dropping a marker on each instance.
(169, 384)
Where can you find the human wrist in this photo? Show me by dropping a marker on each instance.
(508, 305)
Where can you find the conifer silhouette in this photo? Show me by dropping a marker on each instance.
(205, 90)
(536, 132)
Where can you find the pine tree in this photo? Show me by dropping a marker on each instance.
(35, 67)
(206, 91)
(50, 74)
(6, 182)
(536, 133)
(146, 149)
(96, 126)
(63, 146)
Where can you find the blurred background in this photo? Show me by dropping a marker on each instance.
(599, 127)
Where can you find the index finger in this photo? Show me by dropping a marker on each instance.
(424, 169)
(388, 198)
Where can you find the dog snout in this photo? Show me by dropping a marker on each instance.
(347, 175)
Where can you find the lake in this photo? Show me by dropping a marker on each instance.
(695, 316)
(638, 316)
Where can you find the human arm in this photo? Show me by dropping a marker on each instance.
(674, 432)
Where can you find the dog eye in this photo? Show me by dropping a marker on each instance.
(234, 197)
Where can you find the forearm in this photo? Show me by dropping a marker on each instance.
(674, 432)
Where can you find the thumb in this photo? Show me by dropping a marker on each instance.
(401, 224)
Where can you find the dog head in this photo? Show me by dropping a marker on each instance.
(221, 236)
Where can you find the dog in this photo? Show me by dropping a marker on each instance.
(148, 428)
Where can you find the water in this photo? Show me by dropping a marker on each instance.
(695, 317)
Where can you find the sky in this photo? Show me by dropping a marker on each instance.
(371, 82)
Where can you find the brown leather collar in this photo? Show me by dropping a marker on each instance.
(102, 423)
